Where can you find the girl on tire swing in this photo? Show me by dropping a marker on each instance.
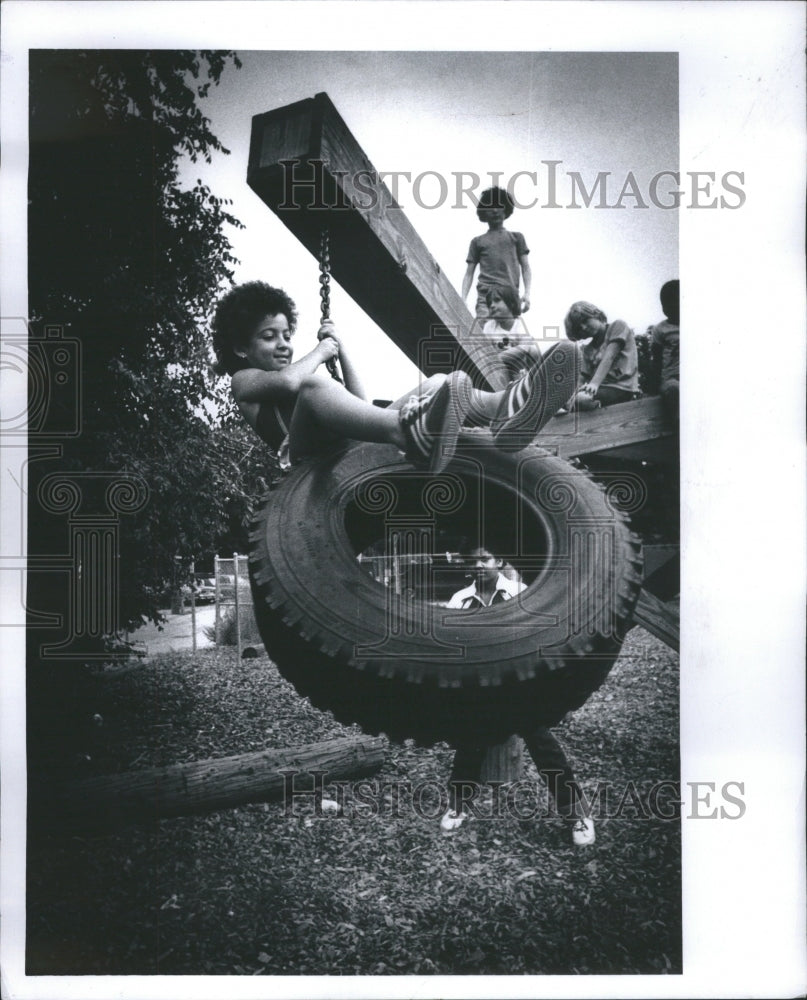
(300, 412)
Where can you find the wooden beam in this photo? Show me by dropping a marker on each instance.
(660, 618)
(662, 570)
(610, 428)
(305, 164)
(662, 450)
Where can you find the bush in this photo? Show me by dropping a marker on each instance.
(227, 630)
(648, 372)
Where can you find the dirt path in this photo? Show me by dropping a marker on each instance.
(177, 632)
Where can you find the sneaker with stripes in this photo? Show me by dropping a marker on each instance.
(532, 400)
(432, 423)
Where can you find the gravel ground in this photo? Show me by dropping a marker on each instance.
(258, 891)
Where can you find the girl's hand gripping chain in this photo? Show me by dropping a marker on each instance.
(329, 342)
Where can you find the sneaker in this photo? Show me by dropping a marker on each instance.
(452, 821)
(532, 400)
(431, 423)
(583, 832)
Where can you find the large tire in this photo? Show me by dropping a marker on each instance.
(411, 668)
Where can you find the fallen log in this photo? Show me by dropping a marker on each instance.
(202, 786)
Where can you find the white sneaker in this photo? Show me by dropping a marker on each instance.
(583, 832)
(452, 821)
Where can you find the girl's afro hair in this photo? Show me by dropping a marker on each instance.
(237, 314)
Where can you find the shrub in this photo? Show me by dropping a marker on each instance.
(227, 630)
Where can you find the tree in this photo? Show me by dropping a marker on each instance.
(128, 263)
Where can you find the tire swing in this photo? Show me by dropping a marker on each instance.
(350, 566)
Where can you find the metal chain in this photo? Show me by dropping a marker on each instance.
(325, 274)
(325, 291)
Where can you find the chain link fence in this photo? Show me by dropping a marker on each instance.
(235, 619)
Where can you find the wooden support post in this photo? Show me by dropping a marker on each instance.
(193, 605)
(217, 626)
(305, 164)
(237, 605)
(203, 786)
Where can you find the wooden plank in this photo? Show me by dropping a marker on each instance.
(662, 450)
(659, 618)
(305, 164)
(611, 427)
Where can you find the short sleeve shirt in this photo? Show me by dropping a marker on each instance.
(666, 336)
(501, 338)
(624, 373)
(497, 253)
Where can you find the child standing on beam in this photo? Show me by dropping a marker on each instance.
(500, 255)
(300, 412)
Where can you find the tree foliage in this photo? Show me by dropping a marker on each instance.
(129, 262)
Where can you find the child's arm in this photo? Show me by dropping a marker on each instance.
(617, 335)
(468, 280)
(610, 355)
(526, 277)
(252, 385)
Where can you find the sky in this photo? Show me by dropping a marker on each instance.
(436, 115)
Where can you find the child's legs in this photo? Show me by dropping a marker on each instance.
(464, 783)
(326, 413)
(549, 382)
(556, 771)
(669, 400)
(609, 395)
(423, 388)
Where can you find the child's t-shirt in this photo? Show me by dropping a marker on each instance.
(502, 338)
(624, 372)
(666, 336)
(497, 253)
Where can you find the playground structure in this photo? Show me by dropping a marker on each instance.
(349, 565)
(308, 168)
